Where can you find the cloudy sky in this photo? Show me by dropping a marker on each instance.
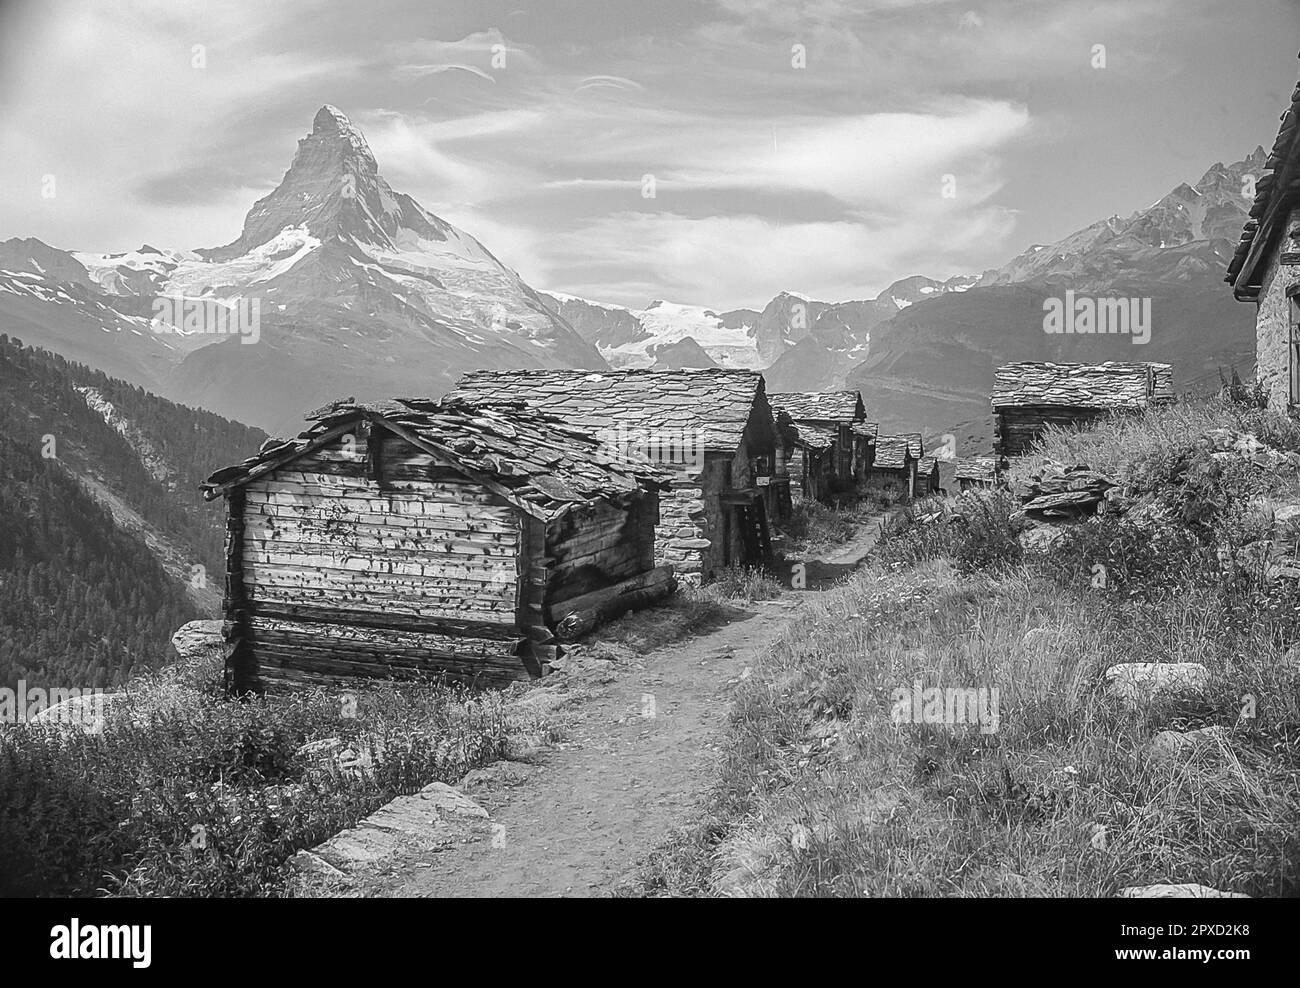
(793, 144)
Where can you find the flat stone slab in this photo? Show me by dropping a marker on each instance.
(1063, 500)
(1134, 681)
(1170, 744)
(449, 801)
(437, 816)
(1188, 890)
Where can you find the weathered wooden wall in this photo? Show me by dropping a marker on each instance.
(595, 546)
(1017, 427)
(361, 565)
(901, 483)
(796, 466)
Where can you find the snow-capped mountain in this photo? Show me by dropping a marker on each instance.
(1183, 236)
(645, 337)
(353, 288)
(674, 334)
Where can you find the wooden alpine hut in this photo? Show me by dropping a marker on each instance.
(712, 429)
(828, 453)
(411, 538)
(976, 472)
(1028, 396)
(894, 467)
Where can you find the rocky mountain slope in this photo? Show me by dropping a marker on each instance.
(931, 366)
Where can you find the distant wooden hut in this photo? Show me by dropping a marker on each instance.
(1265, 268)
(712, 429)
(893, 469)
(408, 538)
(976, 472)
(828, 453)
(1028, 396)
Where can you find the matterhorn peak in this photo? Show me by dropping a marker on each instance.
(329, 117)
(332, 123)
(334, 191)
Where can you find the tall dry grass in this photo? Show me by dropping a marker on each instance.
(822, 792)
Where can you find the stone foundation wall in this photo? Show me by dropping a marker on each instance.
(689, 535)
(682, 533)
(1272, 325)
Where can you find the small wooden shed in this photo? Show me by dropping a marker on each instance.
(1028, 396)
(828, 453)
(976, 471)
(411, 538)
(712, 429)
(893, 470)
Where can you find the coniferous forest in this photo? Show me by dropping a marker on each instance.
(84, 600)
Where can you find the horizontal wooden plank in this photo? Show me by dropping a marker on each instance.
(374, 524)
(270, 657)
(350, 637)
(492, 570)
(278, 573)
(450, 551)
(335, 468)
(275, 674)
(378, 499)
(458, 607)
(451, 488)
(323, 480)
(503, 627)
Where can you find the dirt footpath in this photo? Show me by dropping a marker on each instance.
(640, 753)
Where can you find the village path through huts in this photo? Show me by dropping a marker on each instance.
(578, 822)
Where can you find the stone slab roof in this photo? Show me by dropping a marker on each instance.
(1114, 384)
(713, 405)
(537, 461)
(892, 452)
(821, 406)
(815, 437)
(1276, 191)
(979, 468)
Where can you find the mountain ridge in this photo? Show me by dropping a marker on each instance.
(365, 292)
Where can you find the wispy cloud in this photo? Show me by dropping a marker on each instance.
(793, 144)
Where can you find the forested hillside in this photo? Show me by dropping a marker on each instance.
(106, 545)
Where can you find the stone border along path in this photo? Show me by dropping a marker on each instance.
(642, 743)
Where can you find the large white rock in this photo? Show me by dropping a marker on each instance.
(199, 640)
(1188, 890)
(437, 816)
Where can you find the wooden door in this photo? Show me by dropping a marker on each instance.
(1293, 347)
